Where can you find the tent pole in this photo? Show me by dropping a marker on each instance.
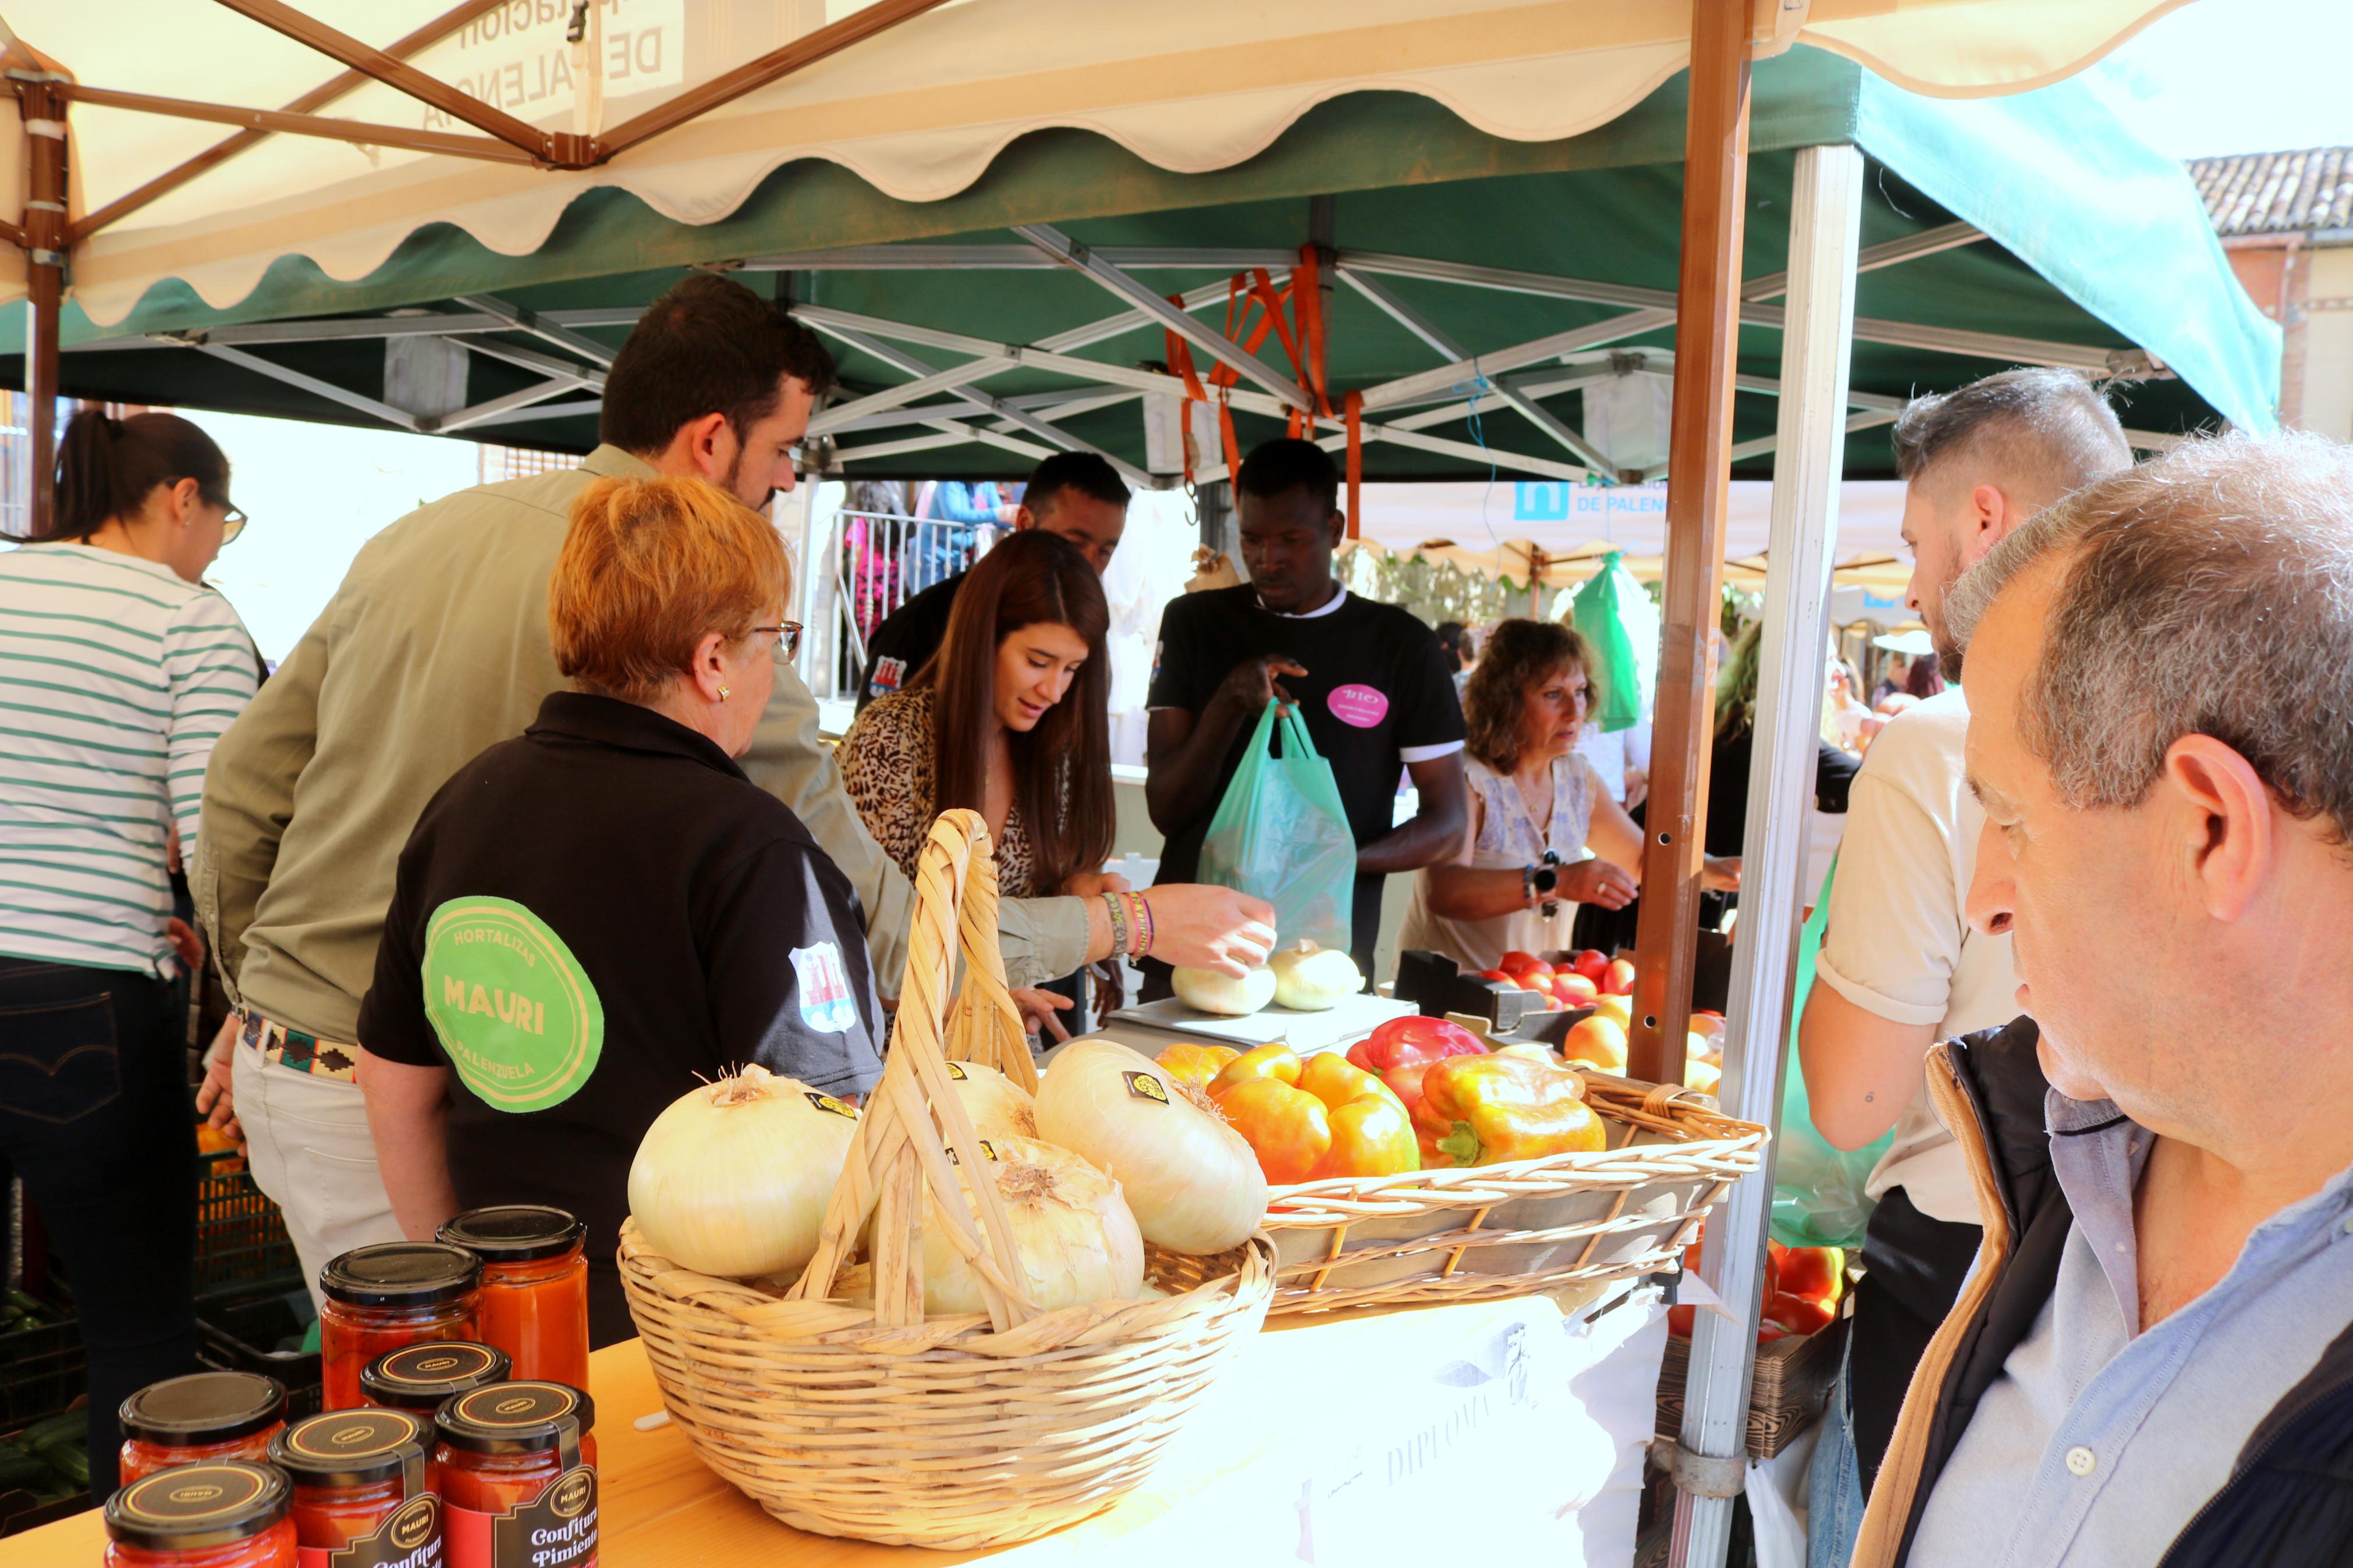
(1707, 340)
(1825, 217)
(43, 109)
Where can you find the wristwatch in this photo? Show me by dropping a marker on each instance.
(1541, 879)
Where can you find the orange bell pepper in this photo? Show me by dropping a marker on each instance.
(1371, 1136)
(1196, 1065)
(1276, 1061)
(1288, 1129)
(1330, 1078)
(1483, 1110)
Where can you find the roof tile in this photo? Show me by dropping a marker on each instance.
(2277, 192)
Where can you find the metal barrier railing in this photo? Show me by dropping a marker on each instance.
(878, 561)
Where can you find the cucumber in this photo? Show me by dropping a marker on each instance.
(26, 1304)
(19, 1469)
(73, 1427)
(71, 1461)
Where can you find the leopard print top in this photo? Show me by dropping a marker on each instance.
(887, 765)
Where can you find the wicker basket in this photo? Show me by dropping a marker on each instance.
(1514, 1229)
(969, 1431)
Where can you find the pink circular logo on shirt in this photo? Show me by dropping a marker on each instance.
(1358, 705)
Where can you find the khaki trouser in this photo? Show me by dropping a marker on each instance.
(308, 1140)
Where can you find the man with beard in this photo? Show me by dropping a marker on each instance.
(1900, 968)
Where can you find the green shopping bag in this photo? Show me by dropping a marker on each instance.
(1615, 616)
(1818, 1196)
(1281, 834)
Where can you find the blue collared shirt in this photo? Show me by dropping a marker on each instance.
(2099, 1442)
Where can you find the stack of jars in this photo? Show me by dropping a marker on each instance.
(454, 1375)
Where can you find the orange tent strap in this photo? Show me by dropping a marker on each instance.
(1355, 404)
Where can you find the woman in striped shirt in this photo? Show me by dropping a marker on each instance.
(119, 669)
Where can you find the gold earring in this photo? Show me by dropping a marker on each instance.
(723, 694)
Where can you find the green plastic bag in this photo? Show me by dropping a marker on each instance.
(1818, 1196)
(1615, 616)
(1281, 834)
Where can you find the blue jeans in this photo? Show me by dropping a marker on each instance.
(1834, 1485)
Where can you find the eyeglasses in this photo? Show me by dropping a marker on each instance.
(789, 639)
(232, 520)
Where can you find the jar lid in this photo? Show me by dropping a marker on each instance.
(401, 1274)
(356, 1448)
(516, 1418)
(203, 1407)
(189, 1508)
(514, 1233)
(420, 1376)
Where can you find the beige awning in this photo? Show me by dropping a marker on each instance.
(918, 111)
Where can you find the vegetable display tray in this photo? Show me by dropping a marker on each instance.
(241, 1236)
(1522, 1227)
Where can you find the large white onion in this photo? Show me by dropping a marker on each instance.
(1077, 1240)
(998, 1107)
(732, 1179)
(1192, 1181)
(1208, 991)
(1311, 979)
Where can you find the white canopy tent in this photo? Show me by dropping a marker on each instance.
(351, 129)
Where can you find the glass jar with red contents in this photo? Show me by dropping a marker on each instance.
(381, 1298)
(518, 1477)
(534, 1287)
(422, 1377)
(362, 1488)
(218, 1513)
(204, 1416)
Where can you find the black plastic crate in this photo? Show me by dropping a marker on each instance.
(43, 1371)
(242, 1240)
(264, 1334)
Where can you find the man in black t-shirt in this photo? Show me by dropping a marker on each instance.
(1368, 679)
(1075, 494)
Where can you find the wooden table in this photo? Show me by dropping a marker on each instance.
(1240, 1473)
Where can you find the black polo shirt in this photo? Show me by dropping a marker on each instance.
(907, 638)
(1377, 695)
(603, 913)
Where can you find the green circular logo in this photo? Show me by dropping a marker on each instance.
(514, 1010)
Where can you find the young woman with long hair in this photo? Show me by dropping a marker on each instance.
(1012, 718)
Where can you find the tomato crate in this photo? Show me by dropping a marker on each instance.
(241, 1239)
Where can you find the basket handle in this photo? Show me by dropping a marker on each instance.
(983, 1025)
(914, 1132)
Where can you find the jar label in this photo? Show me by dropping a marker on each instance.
(557, 1528)
(519, 1016)
(408, 1537)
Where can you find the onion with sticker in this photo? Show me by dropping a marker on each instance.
(1194, 1184)
(732, 1179)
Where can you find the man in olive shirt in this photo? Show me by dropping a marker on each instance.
(436, 647)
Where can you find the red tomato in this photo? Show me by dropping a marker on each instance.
(1680, 1319)
(1555, 1005)
(1814, 1273)
(1497, 975)
(1797, 1314)
(1519, 963)
(1769, 1330)
(1592, 962)
(1575, 989)
(1620, 979)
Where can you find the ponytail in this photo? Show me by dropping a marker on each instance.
(107, 468)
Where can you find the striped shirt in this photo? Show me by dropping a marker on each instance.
(116, 678)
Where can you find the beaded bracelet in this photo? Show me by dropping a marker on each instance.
(1143, 920)
(1118, 923)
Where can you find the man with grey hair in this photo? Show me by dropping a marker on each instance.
(2152, 1359)
(1899, 968)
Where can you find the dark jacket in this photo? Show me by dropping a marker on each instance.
(2289, 1500)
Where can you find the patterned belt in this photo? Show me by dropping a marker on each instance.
(303, 1053)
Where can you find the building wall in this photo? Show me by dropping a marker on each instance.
(2327, 369)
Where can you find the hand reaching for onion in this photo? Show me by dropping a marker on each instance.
(1037, 1009)
(1196, 926)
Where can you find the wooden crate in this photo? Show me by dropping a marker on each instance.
(1792, 1383)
